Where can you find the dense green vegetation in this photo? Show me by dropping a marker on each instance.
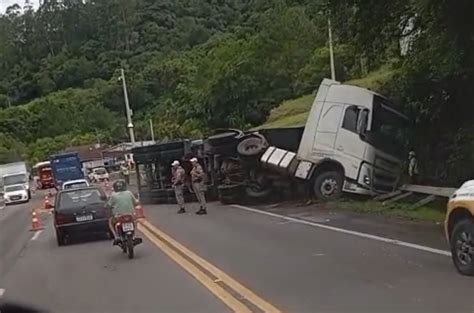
(193, 65)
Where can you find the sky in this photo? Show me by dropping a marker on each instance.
(4, 4)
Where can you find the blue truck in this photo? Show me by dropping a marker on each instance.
(65, 167)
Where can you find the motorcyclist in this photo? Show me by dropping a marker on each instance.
(122, 201)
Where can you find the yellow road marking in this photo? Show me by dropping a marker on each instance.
(221, 276)
(217, 290)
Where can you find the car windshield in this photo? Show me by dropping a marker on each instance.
(75, 185)
(79, 198)
(14, 188)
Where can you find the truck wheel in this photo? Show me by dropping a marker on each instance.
(328, 185)
(256, 191)
(462, 247)
(252, 145)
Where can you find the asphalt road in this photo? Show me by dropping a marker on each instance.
(229, 260)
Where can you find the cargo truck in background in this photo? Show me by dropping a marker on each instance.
(42, 175)
(65, 167)
(15, 174)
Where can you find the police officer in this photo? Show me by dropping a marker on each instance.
(197, 179)
(178, 184)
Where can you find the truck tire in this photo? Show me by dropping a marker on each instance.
(252, 145)
(328, 185)
(258, 192)
(462, 246)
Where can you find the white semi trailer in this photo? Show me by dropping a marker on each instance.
(15, 174)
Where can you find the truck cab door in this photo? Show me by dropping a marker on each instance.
(349, 147)
(326, 133)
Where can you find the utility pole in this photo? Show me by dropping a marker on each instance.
(152, 131)
(127, 107)
(331, 51)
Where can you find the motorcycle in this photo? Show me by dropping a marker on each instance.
(125, 228)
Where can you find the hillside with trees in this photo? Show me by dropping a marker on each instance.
(194, 65)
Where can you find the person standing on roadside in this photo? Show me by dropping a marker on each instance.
(197, 179)
(125, 173)
(412, 167)
(178, 184)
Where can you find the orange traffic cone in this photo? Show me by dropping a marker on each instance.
(35, 221)
(139, 211)
(47, 204)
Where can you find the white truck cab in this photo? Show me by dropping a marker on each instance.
(351, 142)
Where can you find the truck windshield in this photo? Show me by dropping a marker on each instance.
(389, 128)
(67, 171)
(45, 172)
(14, 179)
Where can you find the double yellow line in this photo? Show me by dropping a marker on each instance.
(236, 296)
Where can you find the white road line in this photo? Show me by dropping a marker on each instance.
(346, 231)
(2, 292)
(36, 235)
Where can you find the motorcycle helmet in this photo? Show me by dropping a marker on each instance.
(120, 185)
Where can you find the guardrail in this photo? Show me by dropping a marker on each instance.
(406, 191)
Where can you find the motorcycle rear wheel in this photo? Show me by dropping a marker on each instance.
(130, 247)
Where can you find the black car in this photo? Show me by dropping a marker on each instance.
(79, 212)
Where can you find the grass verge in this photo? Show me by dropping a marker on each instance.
(433, 213)
(293, 113)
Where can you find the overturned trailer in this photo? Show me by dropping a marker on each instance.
(153, 168)
(350, 143)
